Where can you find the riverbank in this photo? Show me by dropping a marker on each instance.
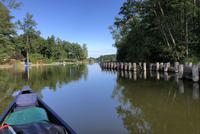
(21, 65)
(5, 66)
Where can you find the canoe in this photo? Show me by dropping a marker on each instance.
(51, 115)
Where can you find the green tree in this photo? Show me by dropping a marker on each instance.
(6, 34)
(28, 26)
(110, 57)
(30, 43)
(84, 52)
(159, 30)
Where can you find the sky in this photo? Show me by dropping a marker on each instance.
(81, 21)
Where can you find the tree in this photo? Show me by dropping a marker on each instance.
(28, 27)
(6, 34)
(103, 58)
(162, 30)
(13, 4)
(30, 43)
(85, 51)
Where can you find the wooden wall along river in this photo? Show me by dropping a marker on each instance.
(187, 71)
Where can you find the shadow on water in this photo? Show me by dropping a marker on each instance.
(157, 103)
(37, 78)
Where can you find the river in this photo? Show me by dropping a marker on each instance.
(96, 101)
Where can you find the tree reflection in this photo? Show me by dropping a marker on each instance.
(149, 106)
(132, 116)
(37, 78)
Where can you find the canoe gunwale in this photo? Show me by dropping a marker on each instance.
(55, 117)
(7, 111)
(51, 114)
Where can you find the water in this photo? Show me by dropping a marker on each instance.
(95, 101)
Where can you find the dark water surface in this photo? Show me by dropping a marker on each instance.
(95, 101)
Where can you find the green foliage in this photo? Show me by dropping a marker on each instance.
(157, 30)
(31, 43)
(6, 34)
(13, 4)
(111, 57)
(36, 57)
(192, 59)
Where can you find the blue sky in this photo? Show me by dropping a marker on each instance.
(82, 21)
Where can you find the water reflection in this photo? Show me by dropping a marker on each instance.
(145, 75)
(37, 78)
(111, 102)
(195, 93)
(181, 87)
(135, 75)
(160, 103)
(166, 76)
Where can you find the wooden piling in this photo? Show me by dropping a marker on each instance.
(157, 66)
(161, 66)
(125, 66)
(105, 65)
(134, 67)
(118, 66)
(109, 65)
(144, 66)
(140, 65)
(180, 70)
(165, 67)
(151, 66)
(114, 65)
(176, 67)
(121, 66)
(129, 66)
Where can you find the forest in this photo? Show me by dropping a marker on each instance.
(158, 30)
(109, 57)
(29, 43)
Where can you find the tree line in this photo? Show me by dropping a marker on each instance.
(158, 30)
(30, 44)
(104, 58)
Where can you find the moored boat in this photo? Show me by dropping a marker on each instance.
(28, 114)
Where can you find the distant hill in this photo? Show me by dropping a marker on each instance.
(110, 57)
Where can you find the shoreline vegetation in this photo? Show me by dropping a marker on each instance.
(157, 31)
(21, 65)
(22, 41)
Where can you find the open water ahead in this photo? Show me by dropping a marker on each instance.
(95, 101)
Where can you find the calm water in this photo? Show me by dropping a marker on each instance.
(95, 101)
